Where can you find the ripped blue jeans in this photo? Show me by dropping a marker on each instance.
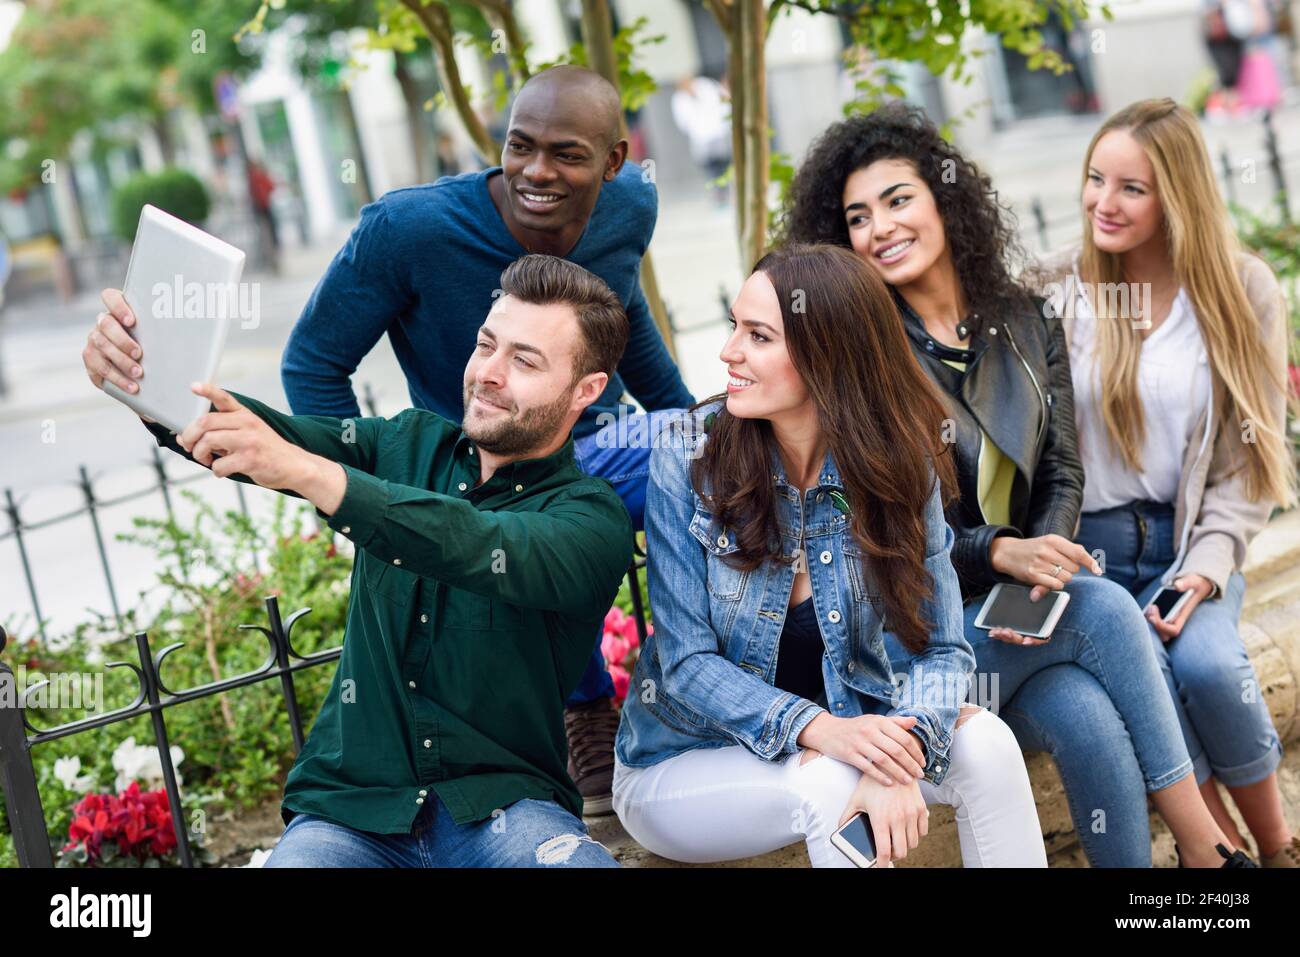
(528, 833)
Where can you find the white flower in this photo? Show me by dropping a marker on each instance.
(143, 764)
(258, 859)
(66, 770)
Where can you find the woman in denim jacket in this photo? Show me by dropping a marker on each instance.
(784, 526)
(889, 187)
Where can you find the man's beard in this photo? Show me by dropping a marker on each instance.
(520, 432)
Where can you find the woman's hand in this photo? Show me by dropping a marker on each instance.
(1047, 562)
(898, 816)
(882, 747)
(1200, 586)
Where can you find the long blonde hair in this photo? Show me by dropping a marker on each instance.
(1203, 248)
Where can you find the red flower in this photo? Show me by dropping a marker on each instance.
(138, 822)
(621, 681)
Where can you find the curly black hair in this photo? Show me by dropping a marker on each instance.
(981, 231)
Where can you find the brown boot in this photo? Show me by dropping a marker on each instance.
(1289, 856)
(591, 728)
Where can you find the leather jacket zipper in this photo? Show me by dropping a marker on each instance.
(1042, 426)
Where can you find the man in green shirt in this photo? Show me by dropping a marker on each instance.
(485, 561)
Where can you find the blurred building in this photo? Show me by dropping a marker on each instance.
(334, 147)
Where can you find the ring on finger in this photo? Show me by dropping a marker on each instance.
(1056, 570)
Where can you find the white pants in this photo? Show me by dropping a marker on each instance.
(723, 804)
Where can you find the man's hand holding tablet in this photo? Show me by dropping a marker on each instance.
(111, 354)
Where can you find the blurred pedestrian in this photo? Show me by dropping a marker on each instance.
(702, 111)
(260, 189)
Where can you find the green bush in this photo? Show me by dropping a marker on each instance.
(172, 190)
(238, 746)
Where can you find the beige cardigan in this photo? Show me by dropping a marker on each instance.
(1213, 520)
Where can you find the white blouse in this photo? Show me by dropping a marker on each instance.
(1174, 387)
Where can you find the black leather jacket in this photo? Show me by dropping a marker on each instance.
(1017, 389)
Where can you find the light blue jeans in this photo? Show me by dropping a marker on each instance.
(620, 454)
(528, 833)
(1093, 698)
(1212, 684)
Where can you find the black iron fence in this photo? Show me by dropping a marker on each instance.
(162, 485)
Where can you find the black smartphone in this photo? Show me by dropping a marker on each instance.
(1168, 602)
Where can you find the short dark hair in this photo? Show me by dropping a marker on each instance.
(602, 320)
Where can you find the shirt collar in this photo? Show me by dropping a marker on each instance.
(522, 472)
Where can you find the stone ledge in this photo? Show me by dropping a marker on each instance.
(1271, 630)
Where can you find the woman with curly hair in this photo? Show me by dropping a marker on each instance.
(889, 187)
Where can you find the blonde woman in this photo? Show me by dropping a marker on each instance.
(1177, 343)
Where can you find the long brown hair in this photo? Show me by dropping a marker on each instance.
(878, 411)
(1203, 247)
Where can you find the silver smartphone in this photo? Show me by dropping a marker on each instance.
(853, 840)
(1008, 606)
(1170, 601)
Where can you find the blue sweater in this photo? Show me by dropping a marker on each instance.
(422, 265)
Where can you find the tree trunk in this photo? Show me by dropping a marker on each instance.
(436, 20)
(424, 171)
(751, 18)
(598, 39)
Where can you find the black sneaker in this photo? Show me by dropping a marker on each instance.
(591, 728)
(1237, 858)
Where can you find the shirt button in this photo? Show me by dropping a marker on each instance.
(821, 497)
(993, 330)
(346, 529)
(839, 706)
(825, 557)
(423, 792)
(471, 450)
(397, 561)
(462, 486)
(419, 800)
(519, 488)
(428, 743)
(424, 619)
(850, 667)
(833, 617)
(410, 684)
(722, 541)
(929, 345)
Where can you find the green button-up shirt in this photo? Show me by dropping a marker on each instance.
(471, 619)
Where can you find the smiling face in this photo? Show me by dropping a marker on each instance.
(893, 220)
(557, 152)
(519, 384)
(1119, 197)
(762, 381)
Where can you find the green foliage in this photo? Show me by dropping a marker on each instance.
(175, 191)
(74, 64)
(1278, 242)
(238, 745)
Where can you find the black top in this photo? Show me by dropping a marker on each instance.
(799, 658)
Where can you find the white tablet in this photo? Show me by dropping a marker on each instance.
(183, 286)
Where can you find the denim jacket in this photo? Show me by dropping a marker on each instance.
(704, 678)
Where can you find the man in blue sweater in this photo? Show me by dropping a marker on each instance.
(423, 266)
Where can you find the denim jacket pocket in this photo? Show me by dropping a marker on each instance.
(725, 582)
